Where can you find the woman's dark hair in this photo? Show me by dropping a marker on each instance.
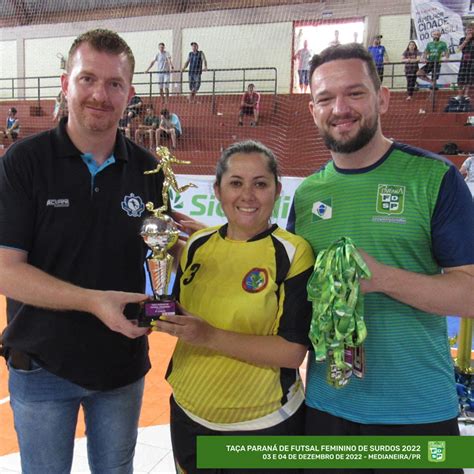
(408, 45)
(246, 147)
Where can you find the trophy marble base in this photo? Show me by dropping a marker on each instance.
(153, 309)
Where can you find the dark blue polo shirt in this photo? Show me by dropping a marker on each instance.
(81, 224)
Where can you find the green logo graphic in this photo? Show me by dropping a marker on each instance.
(436, 451)
(390, 199)
(176, 200)
(322, 210)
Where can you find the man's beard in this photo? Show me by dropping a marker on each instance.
(366, 133)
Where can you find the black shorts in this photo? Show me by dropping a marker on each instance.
(184, 432)
(320, 423)
(432, 67)
(247, 110)
(164, 134)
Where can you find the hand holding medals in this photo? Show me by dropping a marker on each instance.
(338, 307)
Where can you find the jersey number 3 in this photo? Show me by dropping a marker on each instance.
(192, 272)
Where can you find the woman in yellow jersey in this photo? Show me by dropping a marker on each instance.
(244, 315)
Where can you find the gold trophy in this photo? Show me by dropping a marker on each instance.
(160, 233)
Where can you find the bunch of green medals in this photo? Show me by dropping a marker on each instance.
(338, 307)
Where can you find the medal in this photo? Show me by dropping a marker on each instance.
(337, 325)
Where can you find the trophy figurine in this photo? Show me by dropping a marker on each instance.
(160, 233)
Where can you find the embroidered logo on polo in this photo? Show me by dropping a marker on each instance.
(255, 280)
(133, 205)
(57, 202)
(322, 210)
(390, 199)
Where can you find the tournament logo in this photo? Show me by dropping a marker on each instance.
(133, 205)
(390, 199)
(255, 280)
(322, 210)
(436, 451)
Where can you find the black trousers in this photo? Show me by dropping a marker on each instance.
(411, 83)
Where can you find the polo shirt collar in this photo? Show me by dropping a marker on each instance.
(65, 147)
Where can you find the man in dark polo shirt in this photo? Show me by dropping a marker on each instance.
(71, 203)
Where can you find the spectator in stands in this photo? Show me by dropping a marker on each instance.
(249, 105)
(417, 232)
(411, 58)
(134, 107)
(164, 68)
(197, 63)
(148, 127)
(12, 126)
(379, 55)
(60, 107)
(303, 56)
(467, 170)
(130, 114)
(71, 259)
(170, 126)
(466, 68)
(433, 55)
(244, 316)
(335, 41)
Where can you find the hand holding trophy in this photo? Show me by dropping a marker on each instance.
(160, 233)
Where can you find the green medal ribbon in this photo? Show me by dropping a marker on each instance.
(338, 306)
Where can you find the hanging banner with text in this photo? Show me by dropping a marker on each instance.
(354, 452)
(445, 16)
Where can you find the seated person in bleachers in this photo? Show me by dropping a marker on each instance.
(12, 128)
(250, 105)
(60, 107)
(148, 127)
(170, 125)
(133, 110)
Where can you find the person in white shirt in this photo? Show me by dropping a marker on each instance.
(164, 68)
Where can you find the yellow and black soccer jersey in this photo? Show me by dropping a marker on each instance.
(253, 287)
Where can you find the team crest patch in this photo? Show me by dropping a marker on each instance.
(133, 205)
(255, 280)
(390, 199)
(322, 210)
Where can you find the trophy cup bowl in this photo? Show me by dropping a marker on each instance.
(159, 232)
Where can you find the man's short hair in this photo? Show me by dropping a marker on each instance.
(346, 51)
(102, 40)
(194, 43)
(13, 110)
(161, 44)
